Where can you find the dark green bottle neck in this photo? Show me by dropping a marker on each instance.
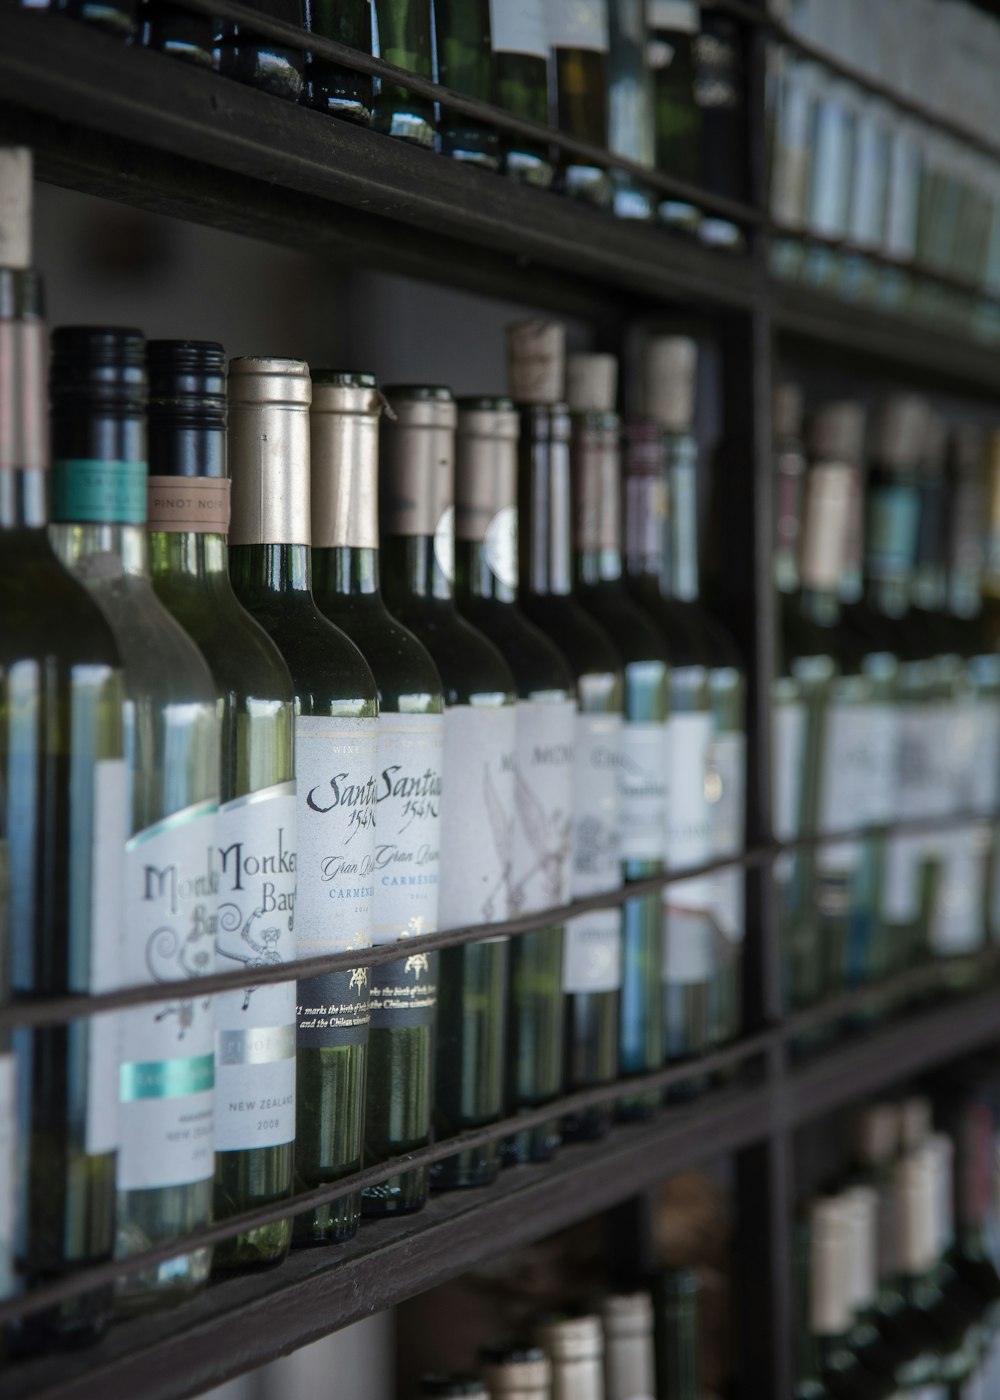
(544, 564)
(930, 574)
(23, 499)
(645, 528)
(411, 572)
(182, 449)
(345, 572)
(263, 574)
(789, 494)
(820, 606)
(833, 1354)
(682, 1346)
(598, 568)
(682, 578)
(475, 579)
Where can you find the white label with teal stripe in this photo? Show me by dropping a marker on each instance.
(167, 1074)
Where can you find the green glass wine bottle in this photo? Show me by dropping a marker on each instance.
(520, 46)
(718, 94)
(595, 487)
(592, 957)
(465, 64)
(346, 584)
(263, 63)
(808, 1385)
(578, 38)
(343, 92)
(187, 520)
(403, 37)
(673, 32)
(416, 488)
(486, 591)
(687, 933)
(677, 1333)
(181, 33)
(335, 751)
(98, 392)
(63, 823)
(630, 105)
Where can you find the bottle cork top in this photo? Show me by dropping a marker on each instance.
(572, 1338)
(787, 409)
(837, 432)
(592, 383)
(15, 207)
(876, 1134)
(536, 361)
(900, 431)
(914, 1195)
(265, 379)
(862, 1207)
(627, 1313)
(669, 369)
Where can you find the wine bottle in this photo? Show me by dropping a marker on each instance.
(63, 822)
(343, 92)
(687, 935)
(471, 1387)
(520, 45)
(592, 956)
(335, 749)
(417, 456)
(486, 579)
(808, 1385)
(403, 37)
(465, 64)
(249, 58)
(629, 1357)
(344, 450)
(630, 105)
(895, 652)
(576, 1349)
(986, 795)
(595, 487)
(98, 393)
(677, 1299)
(187, 520)
(830, 1304)
(520, 1372)
(578, 39)
(718, 93)
(181, 33)
(713, 823)
(673, 32)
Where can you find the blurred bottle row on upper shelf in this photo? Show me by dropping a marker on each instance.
(885, 191)
(659, 83)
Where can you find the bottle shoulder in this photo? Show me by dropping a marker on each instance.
(467, 662)
(329, 673)
(242, 657)
(583, 642)
(635, 633)
(685, 646)
(403, 668)
(46, 612)
(535, 661)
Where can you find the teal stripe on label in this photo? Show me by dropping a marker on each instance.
(86, 492)
(166, 1079)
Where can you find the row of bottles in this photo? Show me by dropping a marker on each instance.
(887, 696)
(658, 84)
(368, 678)
(897, 1289)
(629, 1348)
(848, 166)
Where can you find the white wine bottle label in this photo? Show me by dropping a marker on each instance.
(335, 783)
(592, 942)
(689, 935)
(578, 24)
(255, 1027)
(518, 26)
(643, 784)
(727, 765)
(985, 786)
(407, 864)
(8, 1170)
(857, 777)
(167, 1074)
(788, 738)
(477, 815)
(922, 791)
(957, 920)
(110, 830)
(675, 16)
(543, 806)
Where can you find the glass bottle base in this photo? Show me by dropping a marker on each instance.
(79, 1322)
(589, 1126)
(465, 1170)
(533, 1145)
(400, 1195)
(528, 168)
(332, 1224)
(589, 183)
